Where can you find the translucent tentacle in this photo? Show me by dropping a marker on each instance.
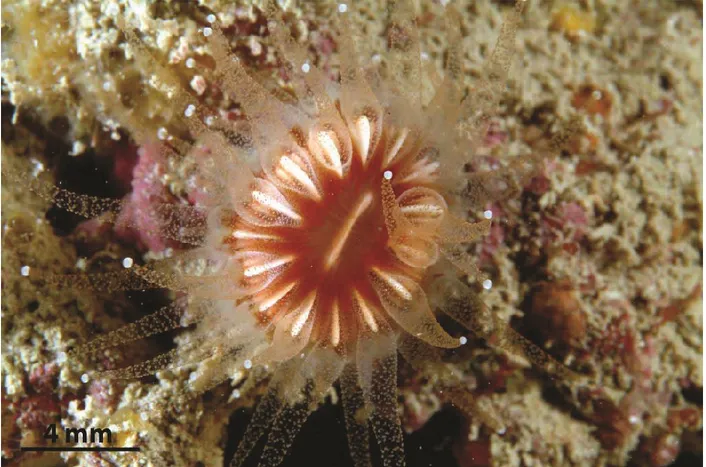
(271, 120)
(223, 169)
(506, 182)
(206, 342)
(183, 223)
(198, 272)
(455, 230)
(211, 373)
(405, 52)
(405, 301)
(459, 257)
(503, 183)
(479, 104)
(445, 103)
(103, 281)
(147, 368)
(323, 366)
(165, 319)
(469, 310)
(410, 237)
(319, 370)
(356, 414)
(395, 221)
(451, 386)
(359, 104)
(285, 428)
(313, 83)
(424, 209)
(185, 355)
(267, 409)
(192, 113)
(82, 205)
(377, 363)
(221, 286)
(444, 110)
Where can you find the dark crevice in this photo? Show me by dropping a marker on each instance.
(322, 440)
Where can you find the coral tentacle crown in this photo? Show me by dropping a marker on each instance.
(315, 250)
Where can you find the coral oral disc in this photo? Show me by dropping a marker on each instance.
(333, 243)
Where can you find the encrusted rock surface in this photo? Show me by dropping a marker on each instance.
(599, 259)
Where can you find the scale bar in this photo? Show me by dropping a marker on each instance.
(79, 449)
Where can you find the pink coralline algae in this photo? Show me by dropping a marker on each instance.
(569, 223)
(138, 223)
(539, 185)
(43, 378)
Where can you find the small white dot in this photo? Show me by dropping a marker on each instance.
(211, 18)
(190, 62)
(61, 357)
(306, 67)
(162, 133)
(190, 109)
(387, 174)
(38, 167)
(207, 31)
(463, 340)
(144, 416)
(84, 378)
(209, 120)
(488, 214)
(502, 430)
(112, 10)
(487, 284)
(236, 394)
(342, 7)
(24, 270)
(127, 262)
(247, 364)
(107, 86)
